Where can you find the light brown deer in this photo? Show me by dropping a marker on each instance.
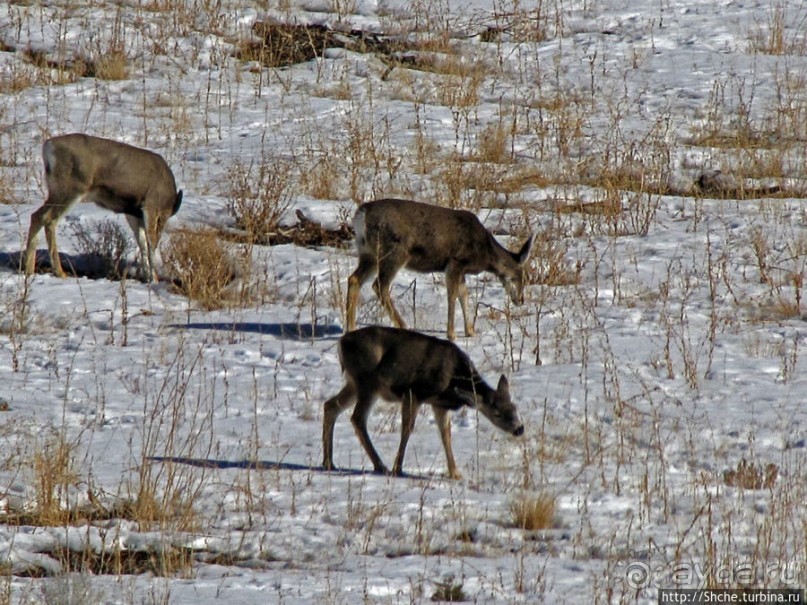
(413, 368)
(116, 176)
(392, 234)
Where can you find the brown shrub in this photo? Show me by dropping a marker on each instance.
(202, 267)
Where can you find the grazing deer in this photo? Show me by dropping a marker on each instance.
(116, 176)
(391, 234)
(412, 368)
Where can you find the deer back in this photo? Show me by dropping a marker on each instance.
(118, 177)
(397, 362)
(429, 236)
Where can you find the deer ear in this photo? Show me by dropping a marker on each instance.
(504, 387)
(177, 203)
(524, 253)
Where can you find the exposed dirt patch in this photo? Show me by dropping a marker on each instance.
(306, 232)
(284, 44)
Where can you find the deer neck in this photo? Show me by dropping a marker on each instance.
(502, 261)
(470, 382)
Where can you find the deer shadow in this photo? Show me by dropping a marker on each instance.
(269, 465)
(86, 264)
(287, 331)
(10, 260)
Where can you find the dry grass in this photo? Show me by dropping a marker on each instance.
(16, 77)
(761, 143)
(277, 44)
(36, 69)
(518, 178)
(466, 185)
(534, 512)
(783, 33)
(203, 268)
(164, 561)
(322, 180)
(58, 484)
(259, 195)
(449, 591)
(459, 86)
(112, 65)
(494, 145)
(169, 508)
(748, 475)
(352, 159)
(106, 246)
(54, 475)
(548, 264)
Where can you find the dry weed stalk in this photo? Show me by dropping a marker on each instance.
(177, 423)
(55, 474)
(783, 33)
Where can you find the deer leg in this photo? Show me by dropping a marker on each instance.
(466, 318)
(386, 273)
(455, 287)
(333, 407)
(139, 228)
(366, 399)
(444, 426)
(409, 412)
(29, 257)
(366, 268)
(53, 252)
(46, 216)
(153, 225)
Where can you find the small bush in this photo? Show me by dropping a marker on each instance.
(111, 62)
(54, 471)
(322, 180)
(259, 196)
(777, 36)
(534, 512)
(449, 591)
(748, 476)
(112, 66)
(51, 472)
(17, 77)
(548, 263)
(105, 244)
(202, 267)
(494, 145)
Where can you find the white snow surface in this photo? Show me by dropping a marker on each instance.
(665, 365)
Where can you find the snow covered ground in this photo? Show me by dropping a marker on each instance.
(658, 361)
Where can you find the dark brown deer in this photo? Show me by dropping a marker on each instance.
(392, 234)
(413, 368)
(116, 176)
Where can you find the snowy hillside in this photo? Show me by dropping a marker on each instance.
(162, 443)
